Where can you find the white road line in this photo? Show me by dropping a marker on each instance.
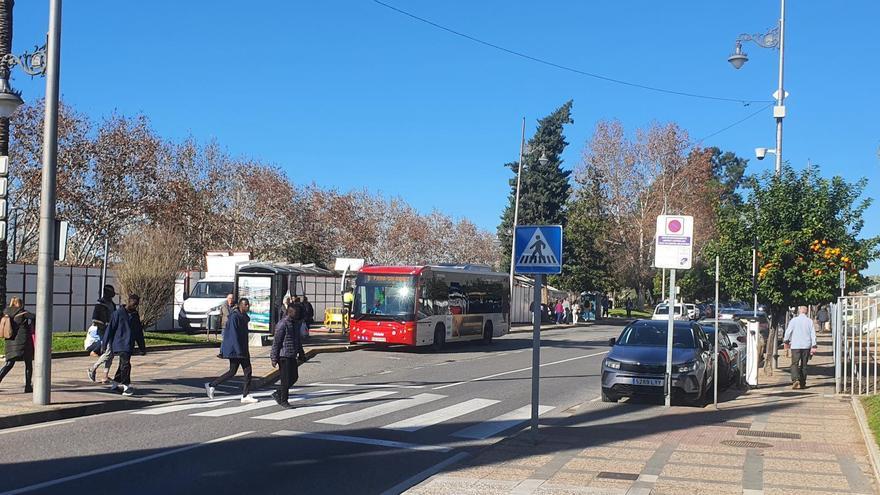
(156, 411)
(34, 427)
(46, 484)
(517, 371)
(422, 476)
(323, 406)
(365, 386)
(228, 411)
(506, 421)
(381, 409)
(440, 415)
(367, 441)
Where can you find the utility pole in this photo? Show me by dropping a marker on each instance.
(46, 259)
(5, 48)
(522, 146)
(779, 109)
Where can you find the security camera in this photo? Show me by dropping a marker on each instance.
(760, 153)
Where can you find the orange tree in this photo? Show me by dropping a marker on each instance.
(807, 228)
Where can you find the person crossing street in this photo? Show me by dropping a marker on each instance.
(286, 348)
(235, 348)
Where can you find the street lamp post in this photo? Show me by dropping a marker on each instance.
(773, 38)
(46, 259)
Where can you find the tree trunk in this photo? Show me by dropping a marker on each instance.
(5, 47)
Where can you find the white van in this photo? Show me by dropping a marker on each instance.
(210, 292)
(661, 312)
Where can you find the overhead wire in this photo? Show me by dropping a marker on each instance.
(574, 70)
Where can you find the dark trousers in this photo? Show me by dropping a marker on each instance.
(289, 374)
(28, 370)
(799, 358)
(123, 372)
(234, 363)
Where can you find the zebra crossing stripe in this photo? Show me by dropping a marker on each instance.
(380, 409)
(156, 411)
(323, 406)
(228, 411)
(361, 440)
(440, 415)
(496, 425)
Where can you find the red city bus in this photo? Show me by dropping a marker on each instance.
(429, 305)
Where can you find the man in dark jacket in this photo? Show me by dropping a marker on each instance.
(123, 332)
(21, 346)
(235, 348)
(286, 346)
(104, 308)
(310, 311)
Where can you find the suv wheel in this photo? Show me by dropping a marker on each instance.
(607, 397)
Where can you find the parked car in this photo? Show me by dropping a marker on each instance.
(636, 364)
(731, 354)
(661, 312)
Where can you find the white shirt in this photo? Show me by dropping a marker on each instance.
(801, 333)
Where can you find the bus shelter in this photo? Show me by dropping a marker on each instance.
(266, 285)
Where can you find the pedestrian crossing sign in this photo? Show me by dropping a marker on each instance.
(538, 249)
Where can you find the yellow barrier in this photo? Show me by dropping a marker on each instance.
(335, 318)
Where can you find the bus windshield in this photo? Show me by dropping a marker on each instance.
(384, 296)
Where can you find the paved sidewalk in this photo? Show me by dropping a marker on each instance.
(771, 440)
(160, 376)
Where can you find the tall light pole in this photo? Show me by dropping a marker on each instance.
(773, 38)
(522, 146)
(46, 259)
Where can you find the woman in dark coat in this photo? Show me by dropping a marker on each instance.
(21, 346)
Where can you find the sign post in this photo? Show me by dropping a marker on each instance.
(537, 251)
(842, 282)
(673, 249)
(715, 376)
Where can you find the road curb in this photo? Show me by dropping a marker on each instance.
(61, 413)
(181, 347)
(868, 436)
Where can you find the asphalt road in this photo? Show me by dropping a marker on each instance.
(371, 421)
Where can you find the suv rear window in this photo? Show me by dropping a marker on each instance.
(655, 335)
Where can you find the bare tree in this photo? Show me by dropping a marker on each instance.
(151, 260)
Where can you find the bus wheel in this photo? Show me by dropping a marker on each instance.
(439, 338)
(487, 333)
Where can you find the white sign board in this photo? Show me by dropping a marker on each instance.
(674, 242)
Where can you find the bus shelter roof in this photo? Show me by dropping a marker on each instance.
(284, 268)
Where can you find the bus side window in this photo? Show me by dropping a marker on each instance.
(426, 304)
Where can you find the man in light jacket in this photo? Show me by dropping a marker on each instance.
(235, 348)
(800, 337)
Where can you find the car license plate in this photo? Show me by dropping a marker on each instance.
(653, 382)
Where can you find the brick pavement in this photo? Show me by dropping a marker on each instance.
(644, 449)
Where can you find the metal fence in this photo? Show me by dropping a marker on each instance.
(854, 325)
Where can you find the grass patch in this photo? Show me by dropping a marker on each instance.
(636, 313)
(73, 341)
(872, 409)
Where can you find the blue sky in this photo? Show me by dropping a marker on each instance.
(348, 94)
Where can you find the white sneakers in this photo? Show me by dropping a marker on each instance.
(249, 399)
(209, 390)
(127, 390)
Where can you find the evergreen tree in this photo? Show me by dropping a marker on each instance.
(544, 189)
(585, 261)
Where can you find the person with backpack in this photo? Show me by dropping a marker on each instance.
(235, 348)
(123, 332)
(286, 347)
(303, 326)
(17, 327)
(823, 319)
(104, 308)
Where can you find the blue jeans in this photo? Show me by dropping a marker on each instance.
(559, 318)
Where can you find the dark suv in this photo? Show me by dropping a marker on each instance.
(636, 364)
